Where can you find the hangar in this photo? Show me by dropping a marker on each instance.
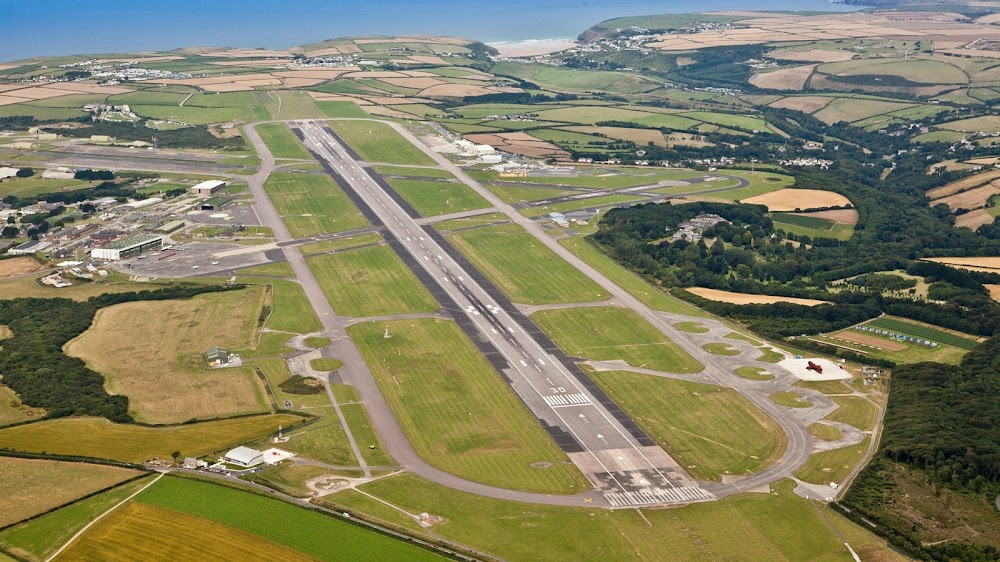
(128, 247)
(244, 456)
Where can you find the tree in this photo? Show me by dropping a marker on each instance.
(9, 232)
(25, 173)
(176, 455)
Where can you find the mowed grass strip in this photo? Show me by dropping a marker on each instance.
(855, 411)
(457, 411)
(370, 281)
(432, 198)
(305, 531)
(834, 465)
(151, 351)
(378, 142)
(357, 420)
(281, 141)
(524, 269)
(709, 430)
(166, 534)
(606, 333)
(99, 438)
(37, 539)
(30, 486)
(312, 204)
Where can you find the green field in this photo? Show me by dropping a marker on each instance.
(299, 529)
(323, 441)
(710, 431)
(776, 526)
(854, 411)
(790, 400)
(290, 309)
(832, 466)
(342, 109)
(604, 178)
(564, 79)
(804, 221)
(312, 204)
(523, 269)
(456, 410)
(364, 434)
(370, 281)
(825, 432)
(37, 539)
(921, 331)
(691, 327)
(514, 194)
(822, 228)
(340, 243)
(754, 373)
(281, 142)
(720, 348)
(276, 371)
(99, 438)
(378, 142)
(36, 185)
(609, 333)
(405, 171)
(431, 198)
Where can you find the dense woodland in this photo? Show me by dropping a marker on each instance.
(33, 363)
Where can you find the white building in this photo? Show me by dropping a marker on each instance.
(208, 187)
(7, 173)
(244, 456)
(127, 248)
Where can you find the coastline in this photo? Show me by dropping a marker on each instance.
(532, 47)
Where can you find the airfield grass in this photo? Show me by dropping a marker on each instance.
(769, 355)
(691, 327)
(370, 281)
(608, 333)
(276, 371)
(431, 198)
(922, 331)
(289, 477)
(342, 109)
(742, 337)
(281, 142)
(359, 504)
(406, 171)
(516, 194)
(312, 204)
(278, 268)
(36, 185)
(300, 529)
(290, 309)
(753, 373)
(457, 411)
(167, 534)
(29, 486)
(854, 411)
(720, 348)
(577, 204)
(638, 288)
(323, 441)
(316, 342)
(834, 465)
(710, 431)
(776, 526)
(760, 183)
(12, 410)
(290, 104)
(603, 178)
(825, 432)
(826, 387)
(790, 400)
(524, 269)
(37, 539)
(378, 142)
(478, 221)
(326, 363)
(158, 363)
(364, 434)
(340, 243)
(99, 438)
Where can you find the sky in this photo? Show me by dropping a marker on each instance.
(53, 27)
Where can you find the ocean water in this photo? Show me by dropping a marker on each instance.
(53, 27)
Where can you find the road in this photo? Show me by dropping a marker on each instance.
(623, 463)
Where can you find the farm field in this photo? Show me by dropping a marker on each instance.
(159, 364)
(457, 411)
(777, 526)
(744, 298)
(11, 409)
(281, 142)
(370, 281)
(786, 200)
(29, 487)
(609, 333)
(523, 269)
(825, 467)
(37, 539)
(924, 331)
(101, 439)
(16, 267)
(708, 430)
(377, 142)
(431, 198)
(560, 79)
(987, 264)
(36, 185)
(812, 226)
(312, 204)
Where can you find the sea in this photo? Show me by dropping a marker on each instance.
(60, 27)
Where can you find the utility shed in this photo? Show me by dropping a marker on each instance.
(216, 356)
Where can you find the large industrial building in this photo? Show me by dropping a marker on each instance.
(127, 247)
(244, 456)
(208, 187)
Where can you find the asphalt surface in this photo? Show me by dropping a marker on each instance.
(624, 464)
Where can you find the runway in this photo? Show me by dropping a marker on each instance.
(621, 462)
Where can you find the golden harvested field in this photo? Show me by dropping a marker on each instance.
(519, 143)
(11, 408)
(813, 55)
(975, 264)
(988, 123)
(962, 184)
(866, 339)
(785, 200)
(851, 109)
(19, 266)
(462, 90)
(994, 291)
(974, 219)
(743, 298)
(170, 535)
(842, 216)
(152, 352)
(23, 92)
(640, 137)
(101, 439)
(785, 79)
(970, 199)
(807, 104)
(30, 486)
